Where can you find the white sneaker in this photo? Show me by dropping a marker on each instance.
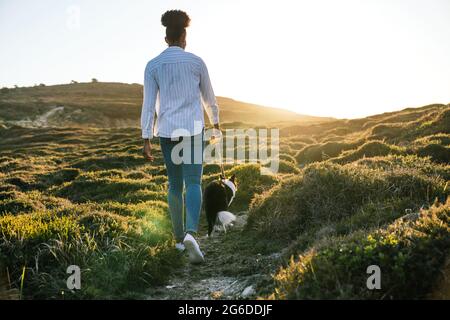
(180, 246)
(193, 249)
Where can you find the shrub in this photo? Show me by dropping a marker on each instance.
(436, 152)
(23, 184)
(17, 202)
(92, 187)
(326, 193)
(320, 152)
(288, 158)
(386, 131)
(413, 163)
(440, 138)
(409, 253)
(369, 149)
(287, 167)
(59, 177)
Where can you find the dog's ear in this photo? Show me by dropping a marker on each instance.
(233, 178)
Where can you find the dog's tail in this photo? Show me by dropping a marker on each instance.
(225, 217)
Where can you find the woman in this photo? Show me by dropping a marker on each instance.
(175, 85)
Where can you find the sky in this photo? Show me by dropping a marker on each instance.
(346, 59)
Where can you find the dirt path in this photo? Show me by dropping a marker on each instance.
(228, 272)
(41, 121)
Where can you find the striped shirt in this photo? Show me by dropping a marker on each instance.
(176, 88)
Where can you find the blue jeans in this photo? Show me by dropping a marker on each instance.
(184, 171)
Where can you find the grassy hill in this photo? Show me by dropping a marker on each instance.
(112, 105)
(349, 194)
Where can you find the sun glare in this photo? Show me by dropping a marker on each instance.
(329, 58)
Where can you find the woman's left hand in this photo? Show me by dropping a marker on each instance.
(147, 150)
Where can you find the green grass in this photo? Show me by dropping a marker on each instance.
(116, 253)
(409, 252)
(82, 194)
(60, 205)
(327, 193)
(323, 151)
(368, 149)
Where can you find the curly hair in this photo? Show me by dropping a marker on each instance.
(176, 22)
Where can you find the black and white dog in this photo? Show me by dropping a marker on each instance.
(217, 197)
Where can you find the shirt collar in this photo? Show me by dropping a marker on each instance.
(174, 48)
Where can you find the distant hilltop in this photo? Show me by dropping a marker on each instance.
(111, 104)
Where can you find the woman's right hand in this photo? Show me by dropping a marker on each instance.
(147, 150)
(216, 135)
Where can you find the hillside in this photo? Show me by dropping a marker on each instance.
(111, 105)
(348, 194)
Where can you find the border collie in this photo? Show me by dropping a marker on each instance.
(217, 197)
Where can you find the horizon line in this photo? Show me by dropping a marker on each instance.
(36, 85)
